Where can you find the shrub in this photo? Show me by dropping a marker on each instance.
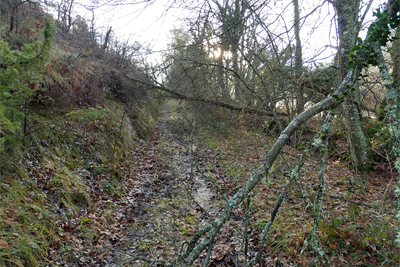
(19, 80)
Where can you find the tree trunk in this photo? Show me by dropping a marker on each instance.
(225, 95)
(393, 111)
(395, 55)
(12, 19)
(298, 59)
(107, 39)
(232, 18)
(347, 17)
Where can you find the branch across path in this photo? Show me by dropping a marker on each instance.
(174, 94)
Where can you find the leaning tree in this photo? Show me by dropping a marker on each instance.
(354, 55)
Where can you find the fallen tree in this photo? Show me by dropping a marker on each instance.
(205, 237)
(174, 94)
(195, 246)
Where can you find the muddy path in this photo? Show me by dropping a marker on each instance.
(171, 198)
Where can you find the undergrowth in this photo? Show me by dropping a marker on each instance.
(358, 223)
(47, 184)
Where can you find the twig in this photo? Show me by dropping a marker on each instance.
(259, 173)
(322, 143)
(207, 259)
(246, 229)
(354, 202)
(134, 258)
(377, 251)
(265, 231)
(196, 238)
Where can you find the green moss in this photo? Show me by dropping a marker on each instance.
(26, 225)
(339, 134)
(86, 115)
(190, 219)
(70, 188)
(184, 229)
(259, 225)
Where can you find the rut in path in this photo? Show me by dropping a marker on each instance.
(154, 185)
(182, 161)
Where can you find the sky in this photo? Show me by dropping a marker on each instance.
(150, 22)
(146, 22)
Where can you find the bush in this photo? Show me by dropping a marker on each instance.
(19, 80)
(378, 135)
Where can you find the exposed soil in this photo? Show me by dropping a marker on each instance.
(172, 174)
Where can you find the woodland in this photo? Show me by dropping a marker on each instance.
(237, 147)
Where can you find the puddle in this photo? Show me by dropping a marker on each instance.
(185, 167)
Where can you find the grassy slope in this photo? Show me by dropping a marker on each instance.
(52, 183)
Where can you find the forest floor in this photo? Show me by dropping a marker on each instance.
(141, 210)
(172, 195)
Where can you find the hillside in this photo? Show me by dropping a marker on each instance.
(89, 191)
(108, 161)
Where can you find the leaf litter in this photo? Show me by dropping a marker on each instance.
(161, 192)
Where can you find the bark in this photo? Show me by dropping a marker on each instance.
(393, 112)
(347, 13)
(12, 17)
(65, 15)
(107, 39)
(68, 26)
(221, 77)
(234, 38)
(395, 55)
(298, 64)
(321, 143)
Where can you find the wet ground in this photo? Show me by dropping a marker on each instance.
(171, 174)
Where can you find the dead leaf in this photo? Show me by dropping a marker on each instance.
(303, 260)
(3, 244)
(18, 263)
(341, 258)
(33, 244)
